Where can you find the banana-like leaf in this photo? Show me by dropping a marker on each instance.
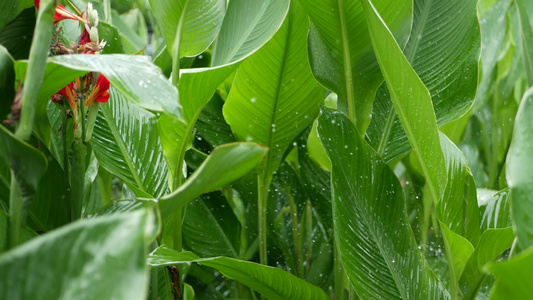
(9, 10)
(7, 82)
(519, 172)
(376, 244)
(458, 251)
(513, 277)
(273, 283)
(27, 166)
(273, 106)
(126, 143)
(494, 27)
(151, 91)
(341, 54)
(527, 39)
(195, 22)
(495, 209)
(411, 100)
(444, 49)
(219, 231)
(226, 164)
(458, 209)
(247, 26)
(492, 243)
(26, 234)
(16, 36)
(100, 258)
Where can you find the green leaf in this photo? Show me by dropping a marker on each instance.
(25, 234)
(271, 282)
(10, 9)
(196, 23)
(273, 106)
(226, 164)
(27, 165)
(151, 91)
(458, 208)
(519, 172)
(126, 143)
(527, 40)
(513, 277)
(7, 82)
(247, 26)
(458, 250)
(341, 54)
(111, 36)
(495, 209)
(376, 244)
(492, 243)
(444, 49)
(100, 258)
(411, 100)
(210, 228)
(17, 35)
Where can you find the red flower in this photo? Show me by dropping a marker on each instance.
(84, 37)
(100, 91)
(61, 13)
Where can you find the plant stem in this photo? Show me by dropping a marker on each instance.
(309, 235)
(15, 212)
(66, 167)
(262, 189)
(77, 165)
(339, 275)
(296, 237)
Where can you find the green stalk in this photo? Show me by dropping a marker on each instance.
(66, 176)
(15, 212)
(32, 84)
(339, 274)
(262, 186)
(77, 179)
(296, 237)
(309, 235)
(36, 66)
(91, 119)
(107, 11)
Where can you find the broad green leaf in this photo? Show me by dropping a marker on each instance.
(9, 10)
(494, 27)
(247, 26)
(527, 40)
(273, 106)
(341, 54)
(444, 49)
(195, 22)
(273, 283)
(458, 250)
(151, 90)
(210, 227)
(495, 209)
(492, 243)
(412, 102)
(111, 36)
(27, 166)
(26, 234)
(17, 35)
(226, 164)
(211, 124)
(458, 208)
(7, 82)
(126, 143)
(513, 277)
(519, 172)
(196, 87)
(100, 258)
(132, 29)
(376, 244)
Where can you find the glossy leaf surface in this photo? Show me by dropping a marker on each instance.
(273, 283)
(102, 257)
(376, 244)
(126, 143)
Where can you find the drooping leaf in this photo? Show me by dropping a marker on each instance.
(495, 209)
(444, 49)
(458, 250)
(226, 164)
(271, 282)
(210, 228)
(98, 258)
(492, 243)
(513, 277)
(151, 91)
(126, 143)
(520, 174)
(247, 26)
(376, 244)
(196, 23)
(412, 102)
(273, 106)
(341, 54)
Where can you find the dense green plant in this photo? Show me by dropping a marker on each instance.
(238, 149)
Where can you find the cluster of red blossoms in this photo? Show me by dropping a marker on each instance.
(89, 43)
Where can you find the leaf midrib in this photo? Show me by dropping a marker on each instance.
(121, 146)
(347, 61)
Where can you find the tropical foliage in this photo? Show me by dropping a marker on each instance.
(285, 149)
